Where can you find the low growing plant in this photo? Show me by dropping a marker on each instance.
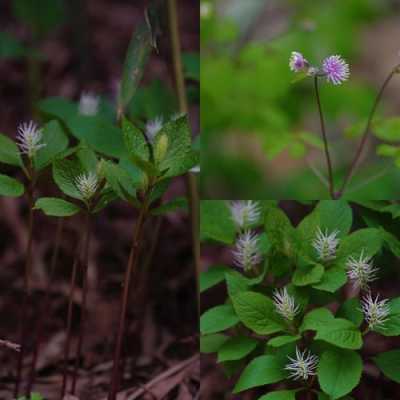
(302, 301)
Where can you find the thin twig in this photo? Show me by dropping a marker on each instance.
(325, 140)
(191, 183)
(364, 138)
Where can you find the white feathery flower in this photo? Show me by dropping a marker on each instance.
(87, 184)
(361, 271)
(246, 253)
(195, 169)
(303, 365)
(285, 304)
(89, 104)
(376, 312)
(245, 213)
(29, 138)
(153, 127)
(326, 244)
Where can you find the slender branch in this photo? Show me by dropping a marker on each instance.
(132, 264)
(27, 287)
(364, 138)
(191, 184)
(44, 315)
(325, 140)
(85, 268)
(72, 287)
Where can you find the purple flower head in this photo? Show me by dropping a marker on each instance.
(297, 62)
(335, 69)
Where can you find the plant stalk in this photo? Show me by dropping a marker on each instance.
(365, 135)
(325, 140)
(72, 288)
(84, 300)
(43, 316)
(132, 264)
(27, 288)
(191, 184)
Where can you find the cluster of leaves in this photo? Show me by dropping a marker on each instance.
(249, 335)
(257, 73)
(34, 396)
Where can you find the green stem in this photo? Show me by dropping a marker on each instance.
(191, 183)
(27, 286)
(132, 265)
(364, 138)
(325, 139)
(83, 318)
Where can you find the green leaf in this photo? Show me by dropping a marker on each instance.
(212, 343)
(307, 274)
(389, 363)
(218, 319)
(351, 310)
(339, 372)
(236, 348)
(312, 140)
(388, 129)
(56, 142)
(58, 107)
(261, 371)
(10, 187)
(65, 173)
(214, 275)
(257, 312)
(369, 240)
(136, 57)
(280, 395)
(119, 180)
(11, 47)
(236, 283)
(179, 156)
(316, 319)
(392, 325)
(9, 153)
(279, 230)
(332, 280)
(282, 340)
(191, 65)
(216, 222)
(40, 19)
(56, 207)
(341, 333)
(99, 133)
(179, 203)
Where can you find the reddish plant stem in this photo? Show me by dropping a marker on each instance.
(84, 301)
(325, 139)
(364, 138)
(25, 301)
(72, 288)
(43, 315)
(132, 263)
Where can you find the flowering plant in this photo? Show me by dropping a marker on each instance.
(303, 302)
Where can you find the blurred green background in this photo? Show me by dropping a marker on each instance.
(260, 131)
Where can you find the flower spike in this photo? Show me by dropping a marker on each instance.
(246, 253)
(376, 312)
(326, 244)
(88, 104)
(335, 69)
(29, 138)
(303, 366)
(285, 304)
(245, 213)
(153, 127)
(87, 185)
(361, 271)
